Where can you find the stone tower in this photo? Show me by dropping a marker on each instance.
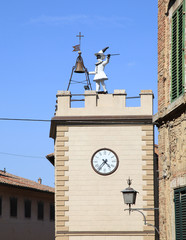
(171, 119)
(97, 147)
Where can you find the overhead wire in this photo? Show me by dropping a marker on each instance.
(20, 155)
(28, 120)
(25, 119)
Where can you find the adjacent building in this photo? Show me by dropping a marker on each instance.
(171, 119)
(96, 149)
(26, 209)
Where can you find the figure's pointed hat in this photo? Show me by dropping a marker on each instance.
(101, 52)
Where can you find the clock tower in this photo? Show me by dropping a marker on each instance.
(97, 147)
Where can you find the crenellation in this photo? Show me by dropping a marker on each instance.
(104, 104)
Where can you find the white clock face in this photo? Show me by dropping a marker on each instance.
(104, 161)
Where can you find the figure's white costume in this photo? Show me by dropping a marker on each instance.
(100, 75)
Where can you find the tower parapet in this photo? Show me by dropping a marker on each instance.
(104, 104)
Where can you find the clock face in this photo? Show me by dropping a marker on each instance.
(104, 161)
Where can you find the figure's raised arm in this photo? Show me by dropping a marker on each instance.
(107, 60)
(91, 73)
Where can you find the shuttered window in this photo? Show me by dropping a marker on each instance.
(52, 212)
(40, 211)
(13, 207)
(177, 63)
(180, 213)
(0, 206)
(27, 209)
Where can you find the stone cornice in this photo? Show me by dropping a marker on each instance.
(98, 120)
(175, 109)
(106, 233)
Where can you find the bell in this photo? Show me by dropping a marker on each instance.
(79, 64)
(79, 67)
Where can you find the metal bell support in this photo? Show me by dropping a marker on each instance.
(80, 68)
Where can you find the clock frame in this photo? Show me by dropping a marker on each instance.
(114, 164)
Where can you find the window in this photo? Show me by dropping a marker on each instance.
(13, 207)
(180, 213)
(177, 63)
(27, 209)
(40, 211)
(52, 212)
(0, 206)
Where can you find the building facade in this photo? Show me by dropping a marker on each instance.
(171, 119)
(26, 209)
(97, 147)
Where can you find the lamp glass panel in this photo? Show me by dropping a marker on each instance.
(128, 198)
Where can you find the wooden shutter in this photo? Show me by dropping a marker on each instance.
(177, 214)
(183, 209)
(40, 211)
(180, 213)
(177, 63)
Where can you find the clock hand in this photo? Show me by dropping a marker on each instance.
(100, 167)
(105, 161)
(108, 165)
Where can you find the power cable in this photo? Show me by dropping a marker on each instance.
(25, 119)
(28, 120)
(19, 155)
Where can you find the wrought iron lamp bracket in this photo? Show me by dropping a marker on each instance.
(144, 217)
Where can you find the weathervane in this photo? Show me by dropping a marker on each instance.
(80, 67)
(78, 47)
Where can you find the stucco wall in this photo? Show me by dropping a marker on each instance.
(20, 228)
(103, 201)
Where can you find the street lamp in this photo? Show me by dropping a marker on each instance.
(129, 197)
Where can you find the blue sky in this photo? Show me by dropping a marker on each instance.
(36, 60)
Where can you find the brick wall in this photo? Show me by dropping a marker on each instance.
(163, 55)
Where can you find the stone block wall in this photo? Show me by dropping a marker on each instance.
(172, 168)
(171, 122)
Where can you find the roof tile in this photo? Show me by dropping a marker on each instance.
(7, 178)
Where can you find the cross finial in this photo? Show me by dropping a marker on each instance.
(80, 36)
